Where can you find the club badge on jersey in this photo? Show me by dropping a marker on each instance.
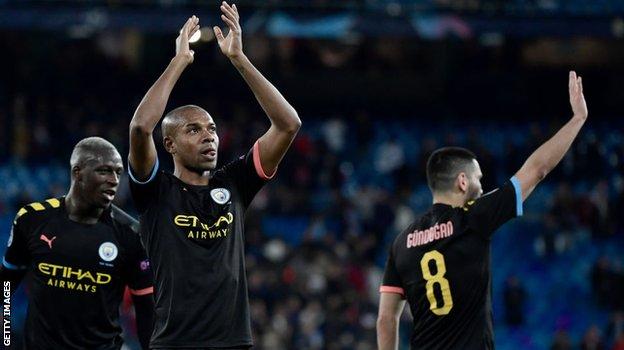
(108, 251)
(220, 195)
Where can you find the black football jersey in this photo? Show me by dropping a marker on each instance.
(441, 265)
(194, 236)
(77, 274)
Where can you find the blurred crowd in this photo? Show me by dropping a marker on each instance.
(488, 6)
(318, 235)
(595, 338)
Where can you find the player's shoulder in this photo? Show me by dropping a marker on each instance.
(232, 164)
(124, 221)
(468, 206)
(488, 199)
(228, 172)
(156, 177)
(167, 179)
(399, 241)
(163, 181)
(38, 211)
(427, 220)
(126, 230)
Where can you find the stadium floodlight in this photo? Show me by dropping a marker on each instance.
(206, 34)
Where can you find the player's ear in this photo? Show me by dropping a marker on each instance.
(462, 182)
(169, 144)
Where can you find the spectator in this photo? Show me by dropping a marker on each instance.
(514, 295)
(602, 281)
(350, 182)
(592, 339)
(561, 341)
(615, 328)
(619, 343)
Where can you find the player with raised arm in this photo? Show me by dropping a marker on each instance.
(441, 263)
(81, 252)
(192, 220)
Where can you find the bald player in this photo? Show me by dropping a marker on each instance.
(192, 220)
(81, 252)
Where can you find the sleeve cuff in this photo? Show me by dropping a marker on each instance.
(144, 291)
(518, 190)
(152, 175)
(258, 164)
(10, 266)
(391, 289)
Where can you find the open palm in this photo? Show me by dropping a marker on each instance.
(577, 100)
(182, 41)
(232, 44)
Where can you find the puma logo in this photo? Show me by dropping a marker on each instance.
(45, 239)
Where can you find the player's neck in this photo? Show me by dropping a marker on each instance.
(192, 177)
(79, 211)
(452, 199)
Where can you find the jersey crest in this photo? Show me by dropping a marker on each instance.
(108, 251)
(220, 195)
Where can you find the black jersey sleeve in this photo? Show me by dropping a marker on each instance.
(137, 272)
(247, 174)
(17, 256)
(145, 193)
(495, 208)
(391, 282)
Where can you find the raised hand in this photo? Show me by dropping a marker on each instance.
(577, 100)
(182, 41)
(232, 44)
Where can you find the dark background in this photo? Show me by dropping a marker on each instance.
(378, 86)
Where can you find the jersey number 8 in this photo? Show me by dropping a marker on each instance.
(438, 278)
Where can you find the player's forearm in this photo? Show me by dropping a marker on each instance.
(282, 115)
(548, 155)
(153, 104)
(387, 334)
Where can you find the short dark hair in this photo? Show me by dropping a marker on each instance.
(443, 166)
(91, 149)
